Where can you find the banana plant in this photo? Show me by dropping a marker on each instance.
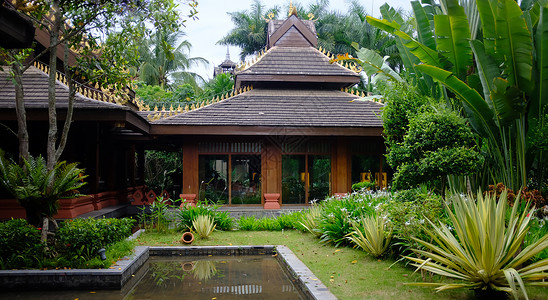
(501, 79)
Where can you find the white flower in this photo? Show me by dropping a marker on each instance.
(407, 223)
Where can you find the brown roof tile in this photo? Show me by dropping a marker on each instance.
(35, 85)
(296, 61)
(292, 108)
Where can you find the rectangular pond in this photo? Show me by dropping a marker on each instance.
(181, 277)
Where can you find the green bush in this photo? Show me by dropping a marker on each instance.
(356, 187)
(538, 229)
(80, 239)
(289, 220)
(338, 214)
(270, 224)
(20, 245)
(188, 214)
(408, 211)
(248, 223)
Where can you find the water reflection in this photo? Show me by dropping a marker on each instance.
(220, 277)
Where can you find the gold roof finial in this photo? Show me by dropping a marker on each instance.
(292, 9)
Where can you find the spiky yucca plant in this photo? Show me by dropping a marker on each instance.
(376, 240)
(310, 219)
(203, 225)
(484, 251)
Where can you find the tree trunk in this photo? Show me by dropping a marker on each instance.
(22, 132)
(70, 108)
(52, 112)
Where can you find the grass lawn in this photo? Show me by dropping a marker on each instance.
(348, 273)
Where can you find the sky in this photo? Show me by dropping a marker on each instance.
(213, 23)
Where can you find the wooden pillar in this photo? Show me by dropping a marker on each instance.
(95, 162)
(271, 165)
(341, 167)
(141, 165)
(190, 169)
(131, 165)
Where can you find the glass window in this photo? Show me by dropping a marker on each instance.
(293, 179)
(213, 176)
(319, 168)
(365, 168)
(246, 179)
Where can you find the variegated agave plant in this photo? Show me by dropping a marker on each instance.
(484, 251)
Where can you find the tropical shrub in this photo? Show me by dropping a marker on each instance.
(248, 223)
(499, 74)
(337, 216)
(289, 220)
(370, 234)
(356, 187)
(438, 144)
(484, 250)
(37, 189)
(187, 214)
(20, 245)
(539, 228)
(408, 211)
(80, 239)
(203, 225)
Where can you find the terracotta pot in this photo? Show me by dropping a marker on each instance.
(188, 266)
(187, 237)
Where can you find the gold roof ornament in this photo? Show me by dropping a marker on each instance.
(292, 10)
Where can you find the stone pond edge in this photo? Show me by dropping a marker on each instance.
(119, 274)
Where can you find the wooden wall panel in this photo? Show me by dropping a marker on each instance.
(272, 168)
(340, 167)
(190, 169)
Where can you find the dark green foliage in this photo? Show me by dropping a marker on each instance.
(187, 214)
(161, 169)
(290, 220)
(538, 229)
(362, 185)
(402, 102)
(37, 189)
(80, 239)
(437, 144)
(248, 223)
(20, 245)
(267, 224)
(408, 211)
(338, 214)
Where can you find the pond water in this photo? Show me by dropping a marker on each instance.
(213, 277)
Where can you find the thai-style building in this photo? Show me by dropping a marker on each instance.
(289, 133)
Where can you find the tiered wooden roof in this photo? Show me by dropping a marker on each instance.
(291, 88)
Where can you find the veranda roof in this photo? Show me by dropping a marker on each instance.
(284, 108)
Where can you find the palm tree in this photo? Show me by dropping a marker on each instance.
(251, 29)
(163, 61)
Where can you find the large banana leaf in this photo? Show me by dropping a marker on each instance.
(539, 101)
(453, 35)
(487, 69)
(424, 30)
(481, 116)
(409, 59)
(487, 17)
(374, 64)
(424, 53)
(513, 41)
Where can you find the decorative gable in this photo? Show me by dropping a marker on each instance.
(292, 33)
